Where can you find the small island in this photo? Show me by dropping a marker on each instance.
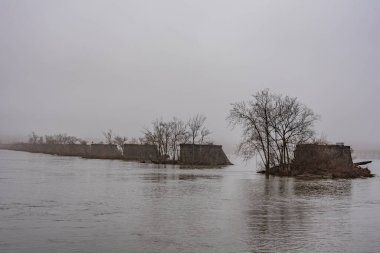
(322, 161)
(279, 131)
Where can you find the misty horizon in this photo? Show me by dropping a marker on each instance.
(82, 67)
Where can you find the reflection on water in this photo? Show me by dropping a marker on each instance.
(295, 215)
(336, 189)
(62, 204)
(163, 177)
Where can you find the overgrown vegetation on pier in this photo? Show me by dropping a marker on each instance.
(166, 135)
(272, 126)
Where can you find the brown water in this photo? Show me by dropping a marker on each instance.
(62, 204)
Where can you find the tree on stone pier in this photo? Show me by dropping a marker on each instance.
(120, 141)
(272, 126)
(179, 134)
(108, 135)
(197, 128)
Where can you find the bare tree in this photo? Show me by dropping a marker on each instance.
(179, 134)
(40, 140)
(119, 141)
(255, 116)
(109, 136)
(166, 139)
(292, 122)
(156, 136)
(70, 140)
(61, 139)
(195, 125)
(320, 140)
(141, 140)
(33, 138)
(272, 126)
(204, 133)
(50, 139)
(167, 136)
(196, 128)
(134, 140)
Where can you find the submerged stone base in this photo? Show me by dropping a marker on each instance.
(291, 171)
(323, 161)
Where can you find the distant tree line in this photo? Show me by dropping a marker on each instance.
(165, 135)
(54, 139)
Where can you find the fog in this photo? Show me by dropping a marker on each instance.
(82, 67)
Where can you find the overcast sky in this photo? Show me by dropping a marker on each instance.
(82, 67)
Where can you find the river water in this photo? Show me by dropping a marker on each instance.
(69, 204)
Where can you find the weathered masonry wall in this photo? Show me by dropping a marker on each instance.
(325, 160)
(139, 152)
(101, 151)
(203, 155)
(53, 149)
(189, 154)
(104, 151)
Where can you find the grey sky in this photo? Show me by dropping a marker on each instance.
(82, 67)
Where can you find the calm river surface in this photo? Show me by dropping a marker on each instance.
(63, 204)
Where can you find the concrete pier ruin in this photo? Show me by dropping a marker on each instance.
(140, 152)
(189, 154)
(196, 154)
(104, 151)
(100, 151)
(52, 149)
(326, 161)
